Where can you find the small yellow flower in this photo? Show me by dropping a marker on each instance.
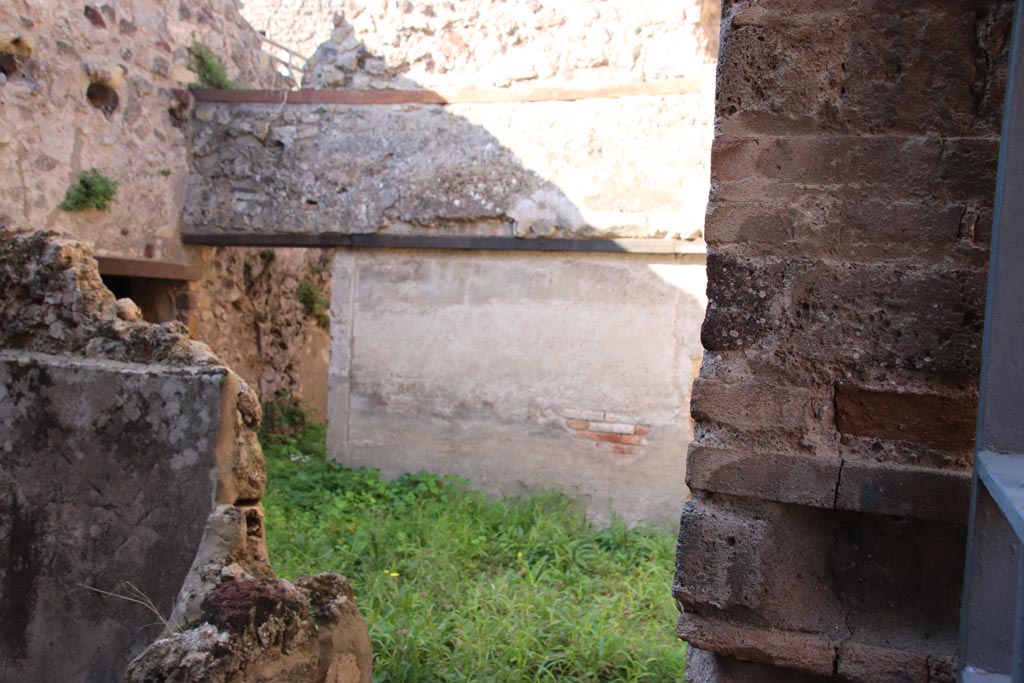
(387, 572)
(519, 555)
(394, 575)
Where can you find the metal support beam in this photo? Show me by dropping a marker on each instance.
(465, 243)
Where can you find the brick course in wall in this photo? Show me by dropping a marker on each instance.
(852, 178)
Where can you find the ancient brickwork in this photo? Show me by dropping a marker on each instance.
(852, 178)
(129, 466)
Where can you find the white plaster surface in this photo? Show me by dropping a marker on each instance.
(475, 363)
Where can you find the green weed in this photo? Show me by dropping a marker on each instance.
(315, 303)
(283, 416)
(208, 67)
(458, 587)
(92, 191)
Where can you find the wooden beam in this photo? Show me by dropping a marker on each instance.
(454, 242)
(157, 270)
(515, 94)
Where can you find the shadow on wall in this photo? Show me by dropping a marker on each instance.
(344, 162)
(513, 368)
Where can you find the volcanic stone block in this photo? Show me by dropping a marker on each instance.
(719, 554)
(742, 301)
(105, 479)
(703, 666)
(753, 405)
(945, 421)
(803, 67)
(893, 167)
(818, 573)
(783, 477)
(825, 225)
(917, 319)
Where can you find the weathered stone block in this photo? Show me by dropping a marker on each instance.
(719, 555)
(860, 662)
(888, 489)
(801, 67)
(742, 301)
(703, 666)
(753, 405)
(941, 420)
(804, 652)
(784, 477)
(749, 223)
(269, 630)
(104, 479)
(893, 167)
(916, 319)
(862, 229)
(773, 80)
(821, 574)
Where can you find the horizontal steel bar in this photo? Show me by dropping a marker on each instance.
(528, 93)
(458, 242)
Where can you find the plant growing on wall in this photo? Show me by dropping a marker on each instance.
(208, 67)
(283, 416)
(315, 303)
(92, 191)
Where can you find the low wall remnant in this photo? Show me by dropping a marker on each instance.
(130, 473)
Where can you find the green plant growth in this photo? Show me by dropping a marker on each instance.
(208, 67)
(315, 303)
(458, 587)
(92, 191)
(283, 416)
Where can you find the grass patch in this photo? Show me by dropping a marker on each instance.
(92, 191)
(459, 587)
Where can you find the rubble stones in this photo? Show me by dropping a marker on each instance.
(114, 430)
(268, 630)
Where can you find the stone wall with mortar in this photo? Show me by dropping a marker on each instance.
(852, 179)
(51, 53)
(247, 308)
(627, 167)
(129, 466)
(513, 369)
(495, 43)
(49, 129)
